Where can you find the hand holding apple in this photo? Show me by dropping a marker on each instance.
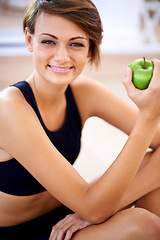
(147, 101)
(142, 71)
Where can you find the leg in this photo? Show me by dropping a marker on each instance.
(150, 202)
(146, 180)
(129, 224)
(147, 184)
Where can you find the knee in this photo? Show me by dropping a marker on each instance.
(144, 224)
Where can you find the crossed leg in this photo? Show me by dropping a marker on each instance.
(151, 202)
(129, 224)
(141, 222)
(145, 186)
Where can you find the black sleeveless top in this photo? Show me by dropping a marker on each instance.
(14, 178)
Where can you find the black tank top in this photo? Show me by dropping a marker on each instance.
(14, 178)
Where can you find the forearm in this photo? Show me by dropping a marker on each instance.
(129, 122)
(146, 180)
(114, 183)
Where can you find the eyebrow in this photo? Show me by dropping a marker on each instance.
(71, 39)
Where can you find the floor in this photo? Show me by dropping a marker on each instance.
(101, 142)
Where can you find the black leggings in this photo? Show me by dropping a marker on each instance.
(37, 229)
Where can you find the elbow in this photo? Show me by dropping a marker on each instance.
(94, 220)
(97, 218)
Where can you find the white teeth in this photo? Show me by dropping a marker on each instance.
(59, 69)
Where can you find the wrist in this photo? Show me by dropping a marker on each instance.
(146, 126)
(148, 117)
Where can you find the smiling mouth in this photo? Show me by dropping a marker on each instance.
(59, 69)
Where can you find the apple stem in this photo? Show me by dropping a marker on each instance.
(144, 63)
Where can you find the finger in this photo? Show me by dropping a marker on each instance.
(58, 226)
(67, 220)
(60, 234)
(63, 230)
(82, 224)
(59, 230)
(130, 88)
(57, 235)
(128, 77)
(69, 234)
(71, 231)
(53, 235)
(54, 232)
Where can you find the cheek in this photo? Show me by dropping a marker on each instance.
(41, 56)
(81, 59)
(82, 63)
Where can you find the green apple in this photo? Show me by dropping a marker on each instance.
(142, 71)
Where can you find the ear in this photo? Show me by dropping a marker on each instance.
(29, 40)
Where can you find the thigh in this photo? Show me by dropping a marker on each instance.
(146, 180)
(129, 224)
(150, 201)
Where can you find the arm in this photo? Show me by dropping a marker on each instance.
(96, 99)
(23, 137)
(146, 180)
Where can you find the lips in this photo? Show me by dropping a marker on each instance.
(60, 69)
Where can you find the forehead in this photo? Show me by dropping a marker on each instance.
(57, 25)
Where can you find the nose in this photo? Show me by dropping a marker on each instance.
(61, 55)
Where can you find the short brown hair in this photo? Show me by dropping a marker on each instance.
(82, 12)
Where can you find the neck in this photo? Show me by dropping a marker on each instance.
(46, 93)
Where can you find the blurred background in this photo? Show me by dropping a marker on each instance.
(131, 30)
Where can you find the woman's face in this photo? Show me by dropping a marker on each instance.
(60, 48)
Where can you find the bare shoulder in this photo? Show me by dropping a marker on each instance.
(91, 95)
(96, 99)
(83, 89)
(85, 83)
(15, 115)
(9, 97)
(12, 103)
(89, 88)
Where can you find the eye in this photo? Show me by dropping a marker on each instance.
(48, 42)
(77, 44)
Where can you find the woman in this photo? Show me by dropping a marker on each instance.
(41, 123)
